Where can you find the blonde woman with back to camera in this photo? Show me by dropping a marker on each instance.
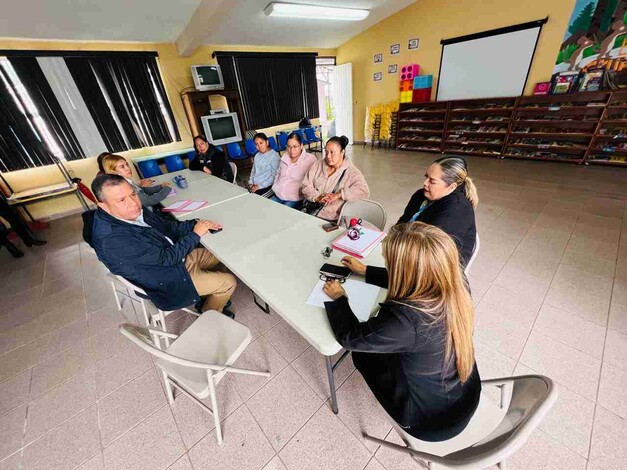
(417, 354)
(448, 199)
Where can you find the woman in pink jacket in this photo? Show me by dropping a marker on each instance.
(294, 165)
(322, 178)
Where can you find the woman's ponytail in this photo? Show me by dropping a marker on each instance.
(471, 192)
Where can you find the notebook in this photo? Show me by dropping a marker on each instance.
(185, 206)
(361, 247)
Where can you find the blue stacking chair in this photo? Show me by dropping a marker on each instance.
(310, 132)
(302, 136)
(250, 147)
(191, 155)
(282, 136)
(274, 145)
(149, 168)
(235, 151)
(174, 163)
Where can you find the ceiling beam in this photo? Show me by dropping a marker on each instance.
(198, 29)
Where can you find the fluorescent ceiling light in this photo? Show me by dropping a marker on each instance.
(296, 10)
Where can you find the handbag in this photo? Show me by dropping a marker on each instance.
(314, 208)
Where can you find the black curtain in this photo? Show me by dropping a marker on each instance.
(34, 80)
(275, 88)
(20, 146)
(129, 83)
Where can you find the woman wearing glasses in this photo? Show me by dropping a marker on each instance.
(295, 164)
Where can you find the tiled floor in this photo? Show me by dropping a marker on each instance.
(550, 285)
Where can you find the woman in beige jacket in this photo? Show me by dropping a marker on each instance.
(322, 177)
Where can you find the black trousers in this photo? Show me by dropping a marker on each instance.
(17, 224)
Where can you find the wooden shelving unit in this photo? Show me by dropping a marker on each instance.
(609, 145)
(588, 127)
(421, 126)
(478, 127)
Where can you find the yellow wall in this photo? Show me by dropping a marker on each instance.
(176, 75)
(432, 21)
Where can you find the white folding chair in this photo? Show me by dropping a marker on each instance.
(475, 251)
(494, 432)
(365, 209)
(197, 359)
(234, 169)
(138, 295)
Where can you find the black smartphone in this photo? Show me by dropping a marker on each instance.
(211, 231)
(332, 270)
(330, 227)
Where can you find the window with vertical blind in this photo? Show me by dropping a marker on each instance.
(276, 88)
(78, 104)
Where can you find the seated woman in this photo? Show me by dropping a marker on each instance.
(265, 166)
(99, 160)
(210, 159)
(417, 354)
(322, 178)
(293, 167)
(448, 200)
(148, 195)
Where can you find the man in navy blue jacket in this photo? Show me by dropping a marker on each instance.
(154, 253)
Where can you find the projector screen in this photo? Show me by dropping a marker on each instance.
(486, 65)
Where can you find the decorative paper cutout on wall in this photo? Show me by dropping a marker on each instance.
(378, 58)
(395, 49)
(377, 76)
(413, 43)
(393, 68)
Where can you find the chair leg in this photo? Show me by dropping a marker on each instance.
(145, 312)
(265, 307)
(168, 388)
(115, 294)
(214, 406)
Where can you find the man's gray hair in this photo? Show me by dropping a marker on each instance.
(104, 181)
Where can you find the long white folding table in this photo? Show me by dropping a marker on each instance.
(276, 251)
(201, 187)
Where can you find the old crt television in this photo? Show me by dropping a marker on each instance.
(207, 77)
(221, 129)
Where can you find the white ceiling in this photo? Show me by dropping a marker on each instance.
(226, 22)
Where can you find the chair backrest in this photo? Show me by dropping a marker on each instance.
(311, 134)
(250, 147)
(273, 144)
(174, 163)
(235, 151)
(141, 293)
(531, 399)
(149, 168)
(234, 170)
(365, 209)
(475, 251)
(282, 140)
(301, 133)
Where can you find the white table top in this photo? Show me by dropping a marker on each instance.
(208, 188)
(275, 251)
(189, 175)
(156, 156)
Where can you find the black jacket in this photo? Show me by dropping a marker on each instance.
(453, 213)
(401, 355)
(143, 256)
(216, 161)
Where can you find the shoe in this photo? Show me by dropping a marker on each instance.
(34, 242)
(228, 313)
(15, 251)
(198, 305)
(228, 304)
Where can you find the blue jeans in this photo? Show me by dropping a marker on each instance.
(291, 204)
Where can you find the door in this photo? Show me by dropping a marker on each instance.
(343, 100)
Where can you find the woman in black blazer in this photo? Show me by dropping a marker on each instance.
(417, 354)
(448, 200)
(210, 159)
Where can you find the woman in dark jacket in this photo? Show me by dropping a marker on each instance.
(210, 159)
(448, 200)
(417, 354)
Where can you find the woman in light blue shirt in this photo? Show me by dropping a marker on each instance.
(265, 166)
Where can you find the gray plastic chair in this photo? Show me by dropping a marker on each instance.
(493, 434)
(234, 170)
(364, 209)
(475, 251)
(198, 358)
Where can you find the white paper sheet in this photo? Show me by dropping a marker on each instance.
(194, 206)
(175, 206)
(361, 297)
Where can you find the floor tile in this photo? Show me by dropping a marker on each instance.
(69, 335)
(286, 341)
(20, 335)
(71, 282)
(275, 464)
(618, 317)
(616, 349)
(613, 390)
(518, 280)
(158, 439)
(129, 405)
(564, 364)
(541, 452)
(15, 391)
(360, 411)
(23, 357)
(311, 366)
(244, 447)
(608, 450)
(110, 317)
(106, 344)
(72, 311)
(119, 369)
(94, 463)
(182, 464)
(282, 406)
(500, 332)
(60, 266)
(66, 446)
(574, 331)
(59, 404)
(261, 356)
(520, 308)
(12, 431)
(324, 442)
(194, 422)
(261, 320)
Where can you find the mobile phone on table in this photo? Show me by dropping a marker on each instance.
(332, 270)
(330, 227)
